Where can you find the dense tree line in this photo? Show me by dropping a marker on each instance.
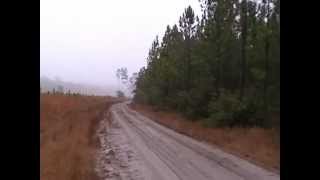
(223, 67)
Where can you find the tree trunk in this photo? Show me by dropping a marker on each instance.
(218, 84)
(267, 68)
(188, 64)
(243, 49)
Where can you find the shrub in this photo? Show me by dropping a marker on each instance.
(120, 94)
(227, 110)
(221, 110)
(182, 101)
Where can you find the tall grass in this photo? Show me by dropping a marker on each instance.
(67, 126)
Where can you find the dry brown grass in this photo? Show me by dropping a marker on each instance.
(67, 126)
(257, 145)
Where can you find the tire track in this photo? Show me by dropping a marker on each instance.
(227, 161)
(167, 155)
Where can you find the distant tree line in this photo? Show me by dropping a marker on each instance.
(60, 91)
(223, 67)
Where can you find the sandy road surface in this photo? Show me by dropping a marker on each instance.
(135, 147)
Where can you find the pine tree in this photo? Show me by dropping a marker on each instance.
(187, 27)
(225, 64)
(243, 74)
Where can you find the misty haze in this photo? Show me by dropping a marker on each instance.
(85, 42)
(160, 89)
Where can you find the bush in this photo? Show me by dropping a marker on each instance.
(120, 94)
(154, 96)
(140, 97)
(182, 101)
(221, 110)
(190, 103)
(245, 115)
(227, 110)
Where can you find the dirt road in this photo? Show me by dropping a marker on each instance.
(135, 147)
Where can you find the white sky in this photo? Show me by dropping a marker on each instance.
(87, 40)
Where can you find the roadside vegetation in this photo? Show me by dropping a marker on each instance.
(67, 135)
(222, 67)
(260, 146)
(221, 71)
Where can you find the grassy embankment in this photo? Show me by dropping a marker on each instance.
(67, 129)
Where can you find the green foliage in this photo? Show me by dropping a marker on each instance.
(120, 94)
(222, 110)
(219, 67)
(228, 110)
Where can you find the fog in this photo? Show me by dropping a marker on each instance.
(85, 41)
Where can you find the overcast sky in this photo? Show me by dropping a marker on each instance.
(87, 40)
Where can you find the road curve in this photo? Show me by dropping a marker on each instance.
(164, 154)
